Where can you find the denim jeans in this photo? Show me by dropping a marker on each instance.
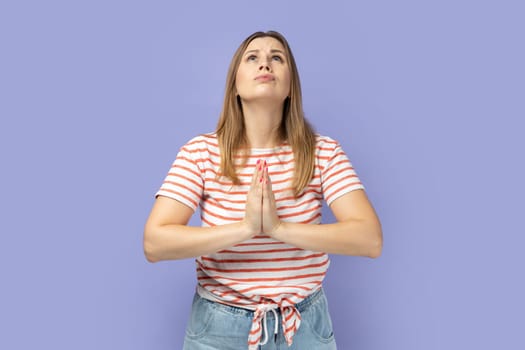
(215, 326)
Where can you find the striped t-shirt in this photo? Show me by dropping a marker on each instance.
(260, 273)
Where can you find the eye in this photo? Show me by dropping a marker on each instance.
(277, 58)
(251, 58)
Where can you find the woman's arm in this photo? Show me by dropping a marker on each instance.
(357, 231)
(167, 236)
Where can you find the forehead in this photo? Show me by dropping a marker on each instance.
(265, 44)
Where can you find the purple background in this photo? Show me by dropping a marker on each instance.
(427, 98)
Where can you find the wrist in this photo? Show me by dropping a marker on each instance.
(247, 230)
(278, 231)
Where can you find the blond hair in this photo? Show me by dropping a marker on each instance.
(294, 129)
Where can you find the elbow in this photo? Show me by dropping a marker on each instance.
(150, 254)
(150, 251)
(155, 246)
(376, 246)
(375, 251)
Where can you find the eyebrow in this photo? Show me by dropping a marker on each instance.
(272, 51)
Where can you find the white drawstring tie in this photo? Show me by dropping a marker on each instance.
(265, 327)
(290, 321)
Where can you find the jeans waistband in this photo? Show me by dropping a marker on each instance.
(301, 306)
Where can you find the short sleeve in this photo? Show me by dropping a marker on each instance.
(184, 181)
(338, 176)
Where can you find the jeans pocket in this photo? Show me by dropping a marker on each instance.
(317, 319)
(200, 318)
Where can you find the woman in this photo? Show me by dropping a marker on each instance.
(260, 179)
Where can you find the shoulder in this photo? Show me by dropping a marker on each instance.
(325, 143)
(203, 143)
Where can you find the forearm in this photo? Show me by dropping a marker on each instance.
(171, 242)
(352, 237)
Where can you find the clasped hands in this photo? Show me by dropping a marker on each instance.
(261, 212)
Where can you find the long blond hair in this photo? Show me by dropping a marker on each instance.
(295, 129)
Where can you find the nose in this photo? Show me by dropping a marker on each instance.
(265, 66)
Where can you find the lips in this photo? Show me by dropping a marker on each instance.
(265, 77)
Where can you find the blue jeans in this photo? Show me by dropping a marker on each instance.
(215, 326)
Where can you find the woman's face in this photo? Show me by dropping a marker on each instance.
(263, 72)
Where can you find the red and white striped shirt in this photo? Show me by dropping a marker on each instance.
(261, 273)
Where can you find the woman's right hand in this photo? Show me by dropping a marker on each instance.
(253, 212)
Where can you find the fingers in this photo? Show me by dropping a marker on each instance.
(258, 174)
(267, 182)
(264, 170)
(265, 179)
(253, 211)
(268, 195)
(270, 219)
(261, 180)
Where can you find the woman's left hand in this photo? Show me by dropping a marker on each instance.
(270, 219)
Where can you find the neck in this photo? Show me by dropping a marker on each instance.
(262, 123)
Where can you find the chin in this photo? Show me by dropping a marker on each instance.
(275, 98)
